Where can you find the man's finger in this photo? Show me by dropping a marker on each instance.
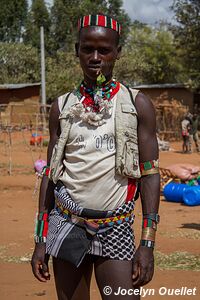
(136, 271)
(149, 276)
(141, 278)
(45, 270)
(36, 268)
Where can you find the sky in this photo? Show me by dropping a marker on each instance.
(147, 11)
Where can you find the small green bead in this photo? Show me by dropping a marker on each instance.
(147, 165)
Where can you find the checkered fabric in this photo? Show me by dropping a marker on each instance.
(118, 242)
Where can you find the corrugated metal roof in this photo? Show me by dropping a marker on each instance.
(160, 86)
(18, 86)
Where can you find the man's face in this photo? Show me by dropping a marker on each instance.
(97, 51)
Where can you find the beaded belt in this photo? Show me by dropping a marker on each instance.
(100, 223)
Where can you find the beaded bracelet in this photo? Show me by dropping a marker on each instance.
(149, 223)
(147, 243)
(152, 216)
(149, 227)
(149, 167)
(45, 171)
(41, 227)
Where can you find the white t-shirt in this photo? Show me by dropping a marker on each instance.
(90, 165)
(184, 124)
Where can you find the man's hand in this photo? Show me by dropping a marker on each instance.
(143, 266)
(39, 263)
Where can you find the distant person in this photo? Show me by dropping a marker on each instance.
(190, 130)
(186, 127)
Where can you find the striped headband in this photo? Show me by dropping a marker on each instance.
(99, 20)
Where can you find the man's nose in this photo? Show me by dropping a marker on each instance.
(96, 55)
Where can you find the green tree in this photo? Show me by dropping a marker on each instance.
(13, 14)
(115, 9)
(38, 16)
(132, 67)
(158, 52)
(63, 16)
(63, 73)
(19, 63)
(187, 13)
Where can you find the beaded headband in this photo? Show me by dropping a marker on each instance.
(99, 20)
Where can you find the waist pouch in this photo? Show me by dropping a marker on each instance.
(72, 227)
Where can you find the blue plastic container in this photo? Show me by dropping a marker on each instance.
(191, 196)
(173, 192)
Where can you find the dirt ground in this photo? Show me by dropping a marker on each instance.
(177, 247)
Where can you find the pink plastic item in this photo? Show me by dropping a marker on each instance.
(39, 165)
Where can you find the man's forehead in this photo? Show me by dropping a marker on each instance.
(97, 32)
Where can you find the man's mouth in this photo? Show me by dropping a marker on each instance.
(94, 67)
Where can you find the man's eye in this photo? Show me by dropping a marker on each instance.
(104, 51)
(87, 49)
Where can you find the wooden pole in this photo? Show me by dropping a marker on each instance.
(10, 150)
(43, 67)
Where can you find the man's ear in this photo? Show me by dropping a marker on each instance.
(76, 49)
(119, 51)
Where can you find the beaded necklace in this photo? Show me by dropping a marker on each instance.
(92, 99)
(94, 105)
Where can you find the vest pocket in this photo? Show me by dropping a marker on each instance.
(129, 116)
(130, 156)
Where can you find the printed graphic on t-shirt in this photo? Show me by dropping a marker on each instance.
(105, 141)
(80, 141)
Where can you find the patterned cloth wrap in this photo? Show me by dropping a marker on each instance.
(75, 231)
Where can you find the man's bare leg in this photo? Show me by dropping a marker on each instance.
(115, 274)
(73, 283)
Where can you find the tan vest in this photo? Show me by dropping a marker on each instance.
(127, 156)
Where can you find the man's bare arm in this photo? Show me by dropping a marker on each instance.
(39, 260)
(148, 150)
(149, 185)
(46, 197)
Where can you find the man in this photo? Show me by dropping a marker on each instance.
(186, 127)
(107, 144)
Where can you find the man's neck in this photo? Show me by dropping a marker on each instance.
(93, 84)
